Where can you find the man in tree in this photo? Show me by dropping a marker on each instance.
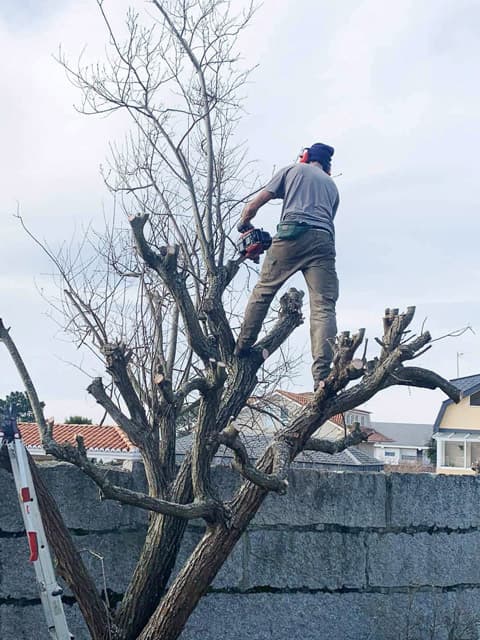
(305, 242)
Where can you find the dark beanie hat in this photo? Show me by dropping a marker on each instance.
(319, 152)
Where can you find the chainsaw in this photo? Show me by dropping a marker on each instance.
(253, 243)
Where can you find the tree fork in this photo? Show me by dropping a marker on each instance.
(151, 574)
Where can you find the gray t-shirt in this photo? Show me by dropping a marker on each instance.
(309, 195)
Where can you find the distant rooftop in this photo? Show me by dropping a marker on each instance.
(304, 398)
(415, 435)
(96, 438)
(301, 398)
(374, 435)
(352, 458)
(467, 383)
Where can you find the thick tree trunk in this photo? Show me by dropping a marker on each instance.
(193, 581)
(151, 574)
(156, 563)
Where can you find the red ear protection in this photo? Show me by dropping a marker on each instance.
(305, 156)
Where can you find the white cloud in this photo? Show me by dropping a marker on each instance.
(391, 85)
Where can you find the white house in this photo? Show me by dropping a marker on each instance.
(404, 444)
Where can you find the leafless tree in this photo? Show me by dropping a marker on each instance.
(160, 313)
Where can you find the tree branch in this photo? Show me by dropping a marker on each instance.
(117, 358)
(208, 128)
(204, 446)
(143, 438)
(210, 511)
(419, 377)
(289, 318)
(381, 372)
(165, 266)
(275, 481)
(45, 430)
(134, 432)
(218, 322)
(335, 446)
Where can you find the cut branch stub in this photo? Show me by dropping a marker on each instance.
(344, 350)
(291, 302)
(171, 256)
(394, 327)
(165, 387)
(219, 373)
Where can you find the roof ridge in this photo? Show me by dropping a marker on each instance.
(298, 397)
(295, 393)
(74, 424)
(350, 453)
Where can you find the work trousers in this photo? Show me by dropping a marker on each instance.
(312, 253)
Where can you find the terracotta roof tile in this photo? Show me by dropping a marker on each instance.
(338, 419)
(101, 438)
(305, 398)
(375, 436)
(301, 398)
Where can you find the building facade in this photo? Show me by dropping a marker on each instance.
(457, 429)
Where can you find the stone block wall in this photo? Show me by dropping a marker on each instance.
(350, 556)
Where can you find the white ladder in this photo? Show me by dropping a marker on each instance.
(50, 591)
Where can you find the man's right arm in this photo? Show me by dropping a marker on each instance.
(274, 189)
(251, 208)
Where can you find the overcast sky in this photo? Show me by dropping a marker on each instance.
(391, 85)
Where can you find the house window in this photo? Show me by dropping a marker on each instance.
(454, 454)
(356, 417)
(389, 454)
(475, 399)
(474, 452)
